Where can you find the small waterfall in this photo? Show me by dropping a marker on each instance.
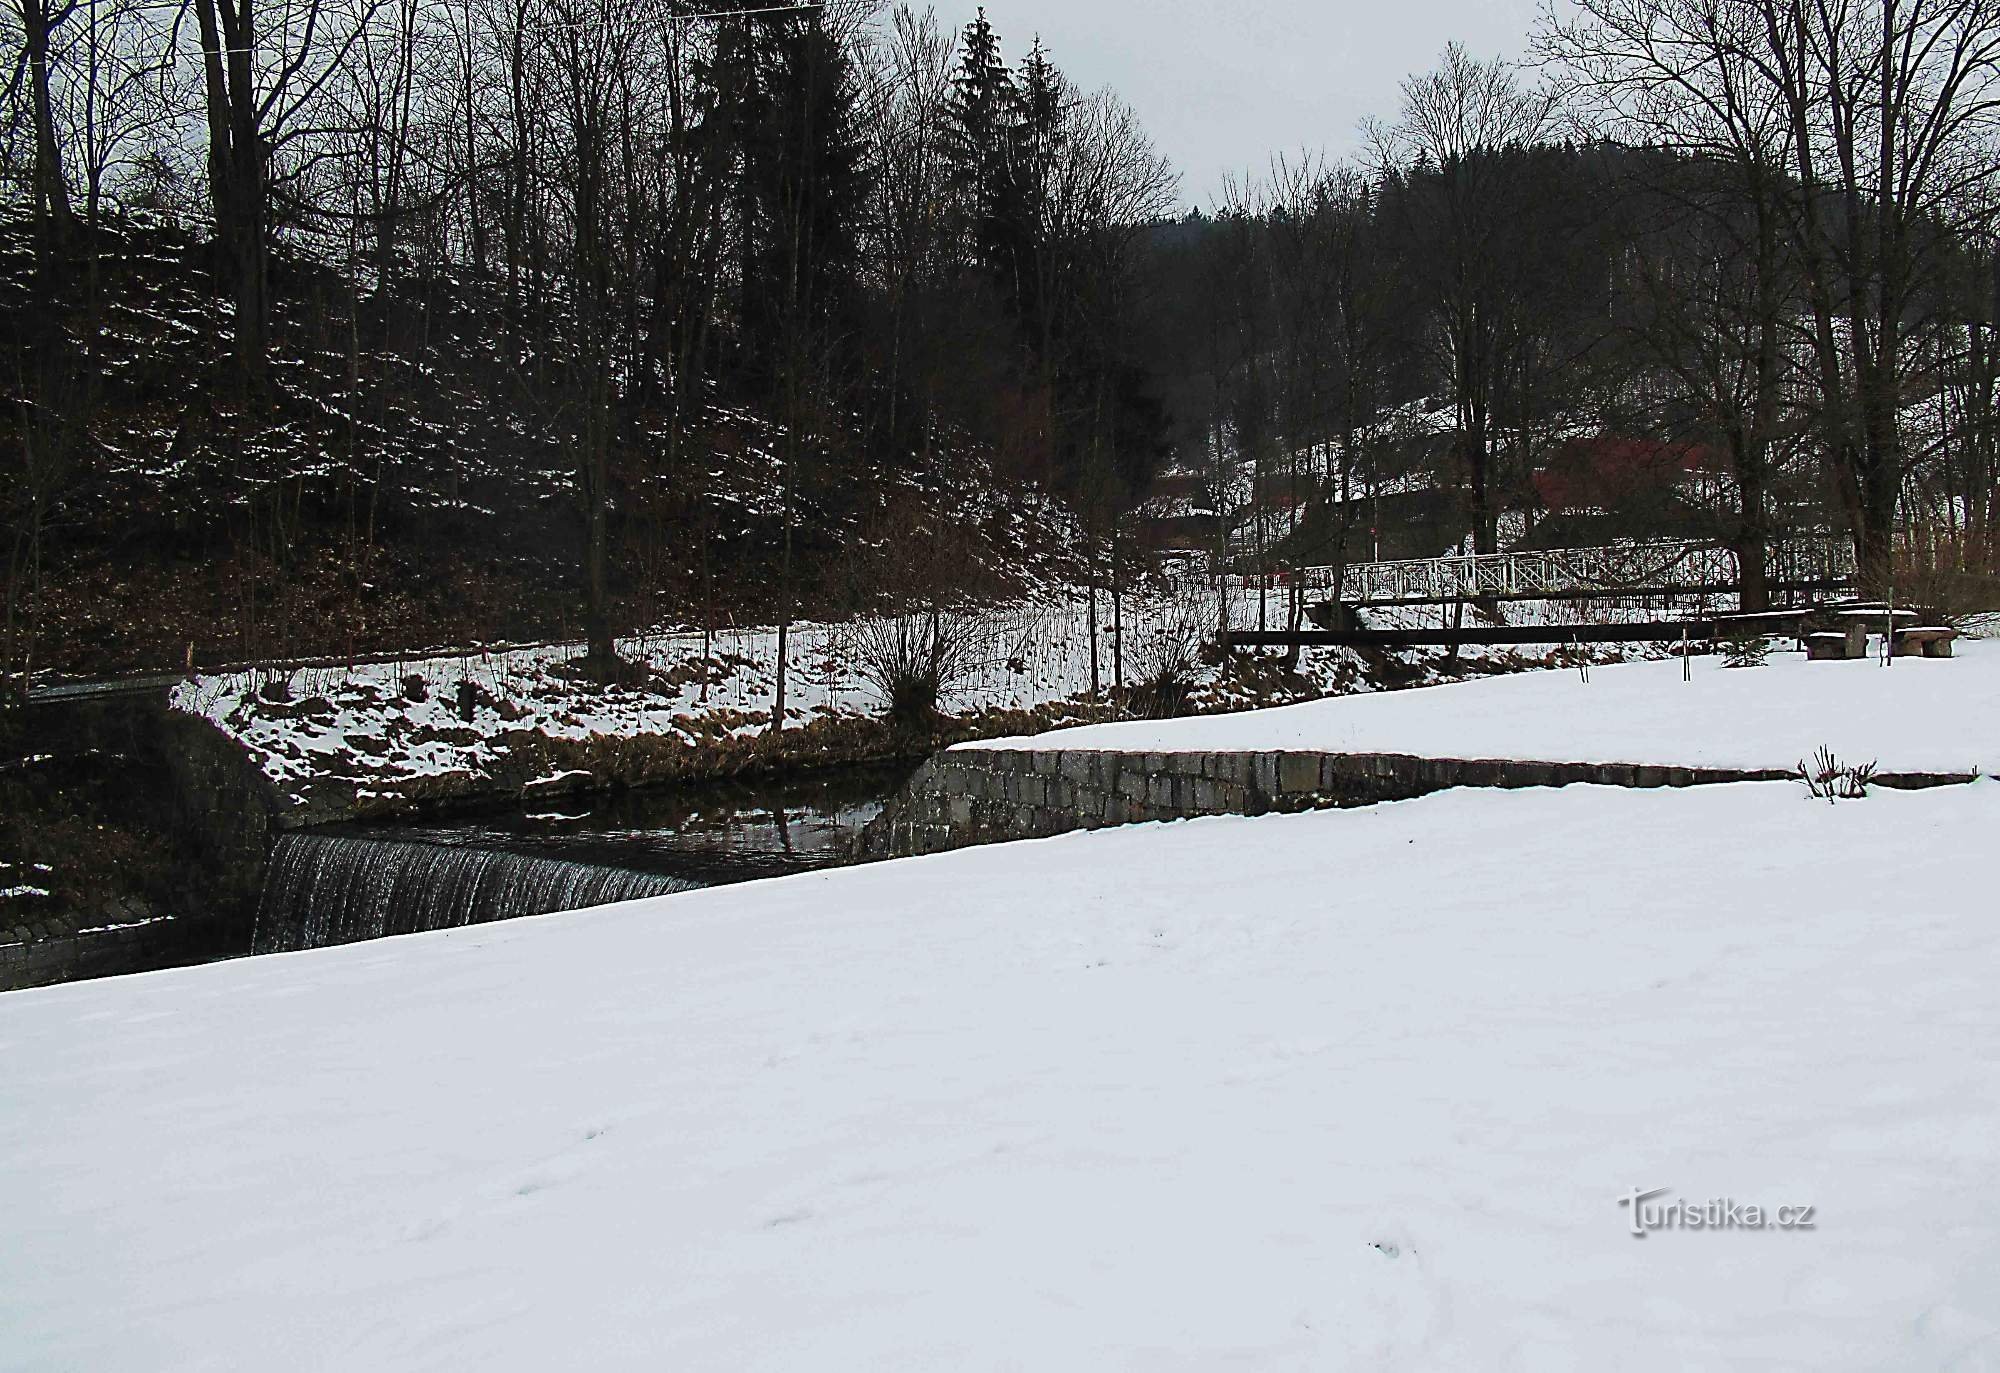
(322, 889)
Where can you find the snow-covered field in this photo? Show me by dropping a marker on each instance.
(1915, 715)
(1344, 1089)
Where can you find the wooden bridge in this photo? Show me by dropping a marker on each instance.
(142, 686)
(1663, 567)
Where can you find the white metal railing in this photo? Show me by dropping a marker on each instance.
(1654, 565)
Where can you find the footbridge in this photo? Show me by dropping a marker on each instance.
(1662, 567)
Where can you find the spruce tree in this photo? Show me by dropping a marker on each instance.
(984, 108)
(1035, 141)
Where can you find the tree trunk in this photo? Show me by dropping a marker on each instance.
(1753, 530)
(236, 158)
(599, 647)
(1117, 621)
(1479, 478)
(51, 188)
(1090, 624)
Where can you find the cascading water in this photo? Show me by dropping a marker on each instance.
(347, 883)
(325, 889)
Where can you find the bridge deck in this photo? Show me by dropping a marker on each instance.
(1650, 631)
(1657, 567)
(54, 693)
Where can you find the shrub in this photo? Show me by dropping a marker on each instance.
(1948, 571)
(1168, 656)
(1831, 780)
(1749, 651)
(916, 662)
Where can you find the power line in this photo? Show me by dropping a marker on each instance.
(671, 18)
(768, 9)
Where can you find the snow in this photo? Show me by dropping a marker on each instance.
(1915, 715)
(355, 721)
(1345, 1089)
(126, 925)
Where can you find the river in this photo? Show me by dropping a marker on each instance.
(339, 884)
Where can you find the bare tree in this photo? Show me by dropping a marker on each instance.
(39, 18)
(1455, 121)
(1886, 112)
(261, 85)
(1715, 267)
(1106, 183)
(117, 86)
(591, 45)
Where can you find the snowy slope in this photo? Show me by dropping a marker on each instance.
(1344, 1089)
(1916, 715)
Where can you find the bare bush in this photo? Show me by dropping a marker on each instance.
(1831, 780)
(1951, 572)
(1168, 655)
(916, 662)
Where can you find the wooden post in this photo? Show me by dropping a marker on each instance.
(1889, 627)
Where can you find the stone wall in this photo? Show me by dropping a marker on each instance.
(221, 804)
(974, 796)
(69, 955)
(201, 794)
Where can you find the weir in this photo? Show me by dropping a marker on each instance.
(323, 889)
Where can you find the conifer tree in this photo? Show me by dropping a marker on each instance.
(984, 109)
(1035, 143)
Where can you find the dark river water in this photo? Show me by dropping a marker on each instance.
(338, 884)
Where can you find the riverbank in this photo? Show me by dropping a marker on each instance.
(456, 735)
(406, 737)
(402, 737)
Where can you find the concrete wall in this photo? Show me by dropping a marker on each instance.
(973, 796)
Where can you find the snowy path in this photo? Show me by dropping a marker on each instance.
(1343, 1089)
(1917, 715)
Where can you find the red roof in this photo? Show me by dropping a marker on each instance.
(1605, 471)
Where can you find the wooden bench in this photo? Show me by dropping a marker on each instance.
(1926, 641)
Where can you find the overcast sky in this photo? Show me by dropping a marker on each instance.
(1223, 84)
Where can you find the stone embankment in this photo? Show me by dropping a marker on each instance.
(975, 796)
(54, 951)
(209, 807)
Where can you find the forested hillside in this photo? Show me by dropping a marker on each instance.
(367, 324)
(412, 492)
(614, 321)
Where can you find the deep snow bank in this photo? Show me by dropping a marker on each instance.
(1352, 1088)
(1916, 715)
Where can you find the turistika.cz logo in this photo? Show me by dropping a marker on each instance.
(1646, 1215)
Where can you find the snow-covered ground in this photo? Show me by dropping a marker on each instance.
(1915, 715)
(362, 718)
(361, 722)
(1344, 1089)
